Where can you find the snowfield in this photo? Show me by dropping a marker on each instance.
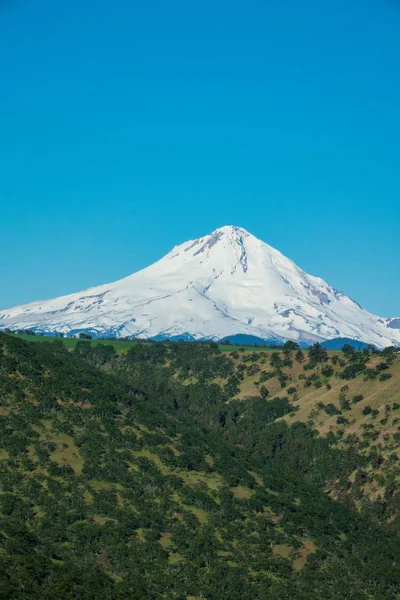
(225, 283)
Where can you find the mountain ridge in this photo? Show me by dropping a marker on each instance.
(222, 284)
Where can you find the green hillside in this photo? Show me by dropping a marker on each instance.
(72, 342)
(351, 400)
(179, 471)
(120, 346)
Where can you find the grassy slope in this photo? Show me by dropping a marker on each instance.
(70, 343)
(99, 476)
(119, 346)
(376, 431)
(369, 429)
(376, 394)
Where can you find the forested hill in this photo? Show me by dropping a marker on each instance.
(173, 471)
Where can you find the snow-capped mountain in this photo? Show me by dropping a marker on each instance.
(223, 284)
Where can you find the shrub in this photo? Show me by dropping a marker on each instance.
(352, 370)
(327, 371)
(348, 350)
(357, 398)
(343, 402)
(331, 409)
(317, 354)
(265, 375)
(384, 376)
(289, 346)
(299, 356)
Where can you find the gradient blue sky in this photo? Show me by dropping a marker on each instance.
(128, 127)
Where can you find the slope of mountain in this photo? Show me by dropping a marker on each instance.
(223, 284)
(113, 486)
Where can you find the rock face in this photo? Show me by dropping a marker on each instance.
(223, 284)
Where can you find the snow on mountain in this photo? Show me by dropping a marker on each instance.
(225, 283)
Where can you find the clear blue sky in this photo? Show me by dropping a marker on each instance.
(128, 127)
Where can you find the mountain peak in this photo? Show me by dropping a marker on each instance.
(230, 230)
(226, 232)
(225, 239)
